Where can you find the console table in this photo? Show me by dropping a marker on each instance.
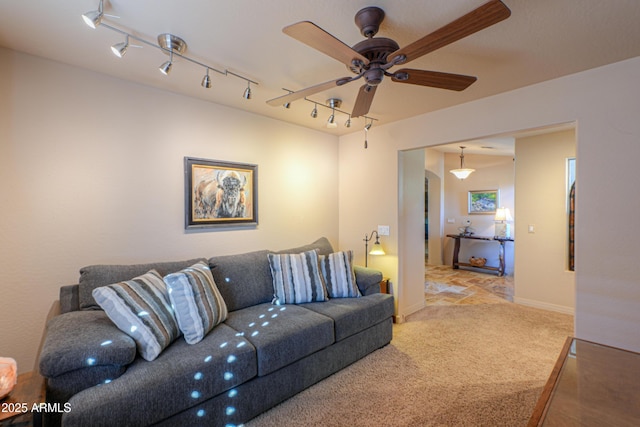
(456, 250)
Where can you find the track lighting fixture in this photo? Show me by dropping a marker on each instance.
(94, 17)
(206, 80)
(119, 49)
(367, 126)
(287, 105)
(333, 103)
(168, 43)
(165, 68)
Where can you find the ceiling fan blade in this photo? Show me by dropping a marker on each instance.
(314, 36)
(433, 79)
(485, 16)
(364, 100)
(290, 97)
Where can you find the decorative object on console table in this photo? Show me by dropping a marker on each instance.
(375, 250)
(501, 253)
(220, 194)
(483, 202)
(502, 218)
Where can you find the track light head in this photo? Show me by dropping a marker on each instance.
(314, 112)
(347, 124)
(206, 81)
(119, 49)
(247, 91)
(94, 18)
(287, 105)
(166, 68)
(367, 126)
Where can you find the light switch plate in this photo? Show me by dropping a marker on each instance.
(383, 230)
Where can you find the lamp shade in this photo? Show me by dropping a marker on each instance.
(462, 173)
(377, 249)
(503, 214)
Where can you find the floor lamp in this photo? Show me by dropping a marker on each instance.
(375, 250)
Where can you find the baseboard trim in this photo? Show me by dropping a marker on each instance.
(545, 305)
(401, 317)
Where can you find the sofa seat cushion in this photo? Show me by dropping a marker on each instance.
(282, 334)
(84, 339)
(352, 315)
(182, 377)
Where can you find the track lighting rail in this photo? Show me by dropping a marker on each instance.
(96, 18)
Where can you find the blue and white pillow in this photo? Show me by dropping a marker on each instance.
(140, 308)
(297, 278)
(196, 301)
(337, 270)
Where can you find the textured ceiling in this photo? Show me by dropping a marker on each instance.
(543, 39)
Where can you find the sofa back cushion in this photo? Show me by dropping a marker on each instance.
(95, 276)
(243, 280)
(322, 245)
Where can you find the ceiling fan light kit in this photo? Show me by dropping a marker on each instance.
(168, 43)
(372, 58)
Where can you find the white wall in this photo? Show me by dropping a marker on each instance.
(91, 171)
(605, 103)
(542, 202)
(492, 173)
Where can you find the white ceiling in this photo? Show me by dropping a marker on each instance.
(543, 39)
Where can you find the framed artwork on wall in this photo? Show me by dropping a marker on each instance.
(484, 202)
(220, 194)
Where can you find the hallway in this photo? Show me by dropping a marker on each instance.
(446, 286)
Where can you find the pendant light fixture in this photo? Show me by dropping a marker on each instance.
(462, 172)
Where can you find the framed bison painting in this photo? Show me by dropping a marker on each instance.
(220, 194)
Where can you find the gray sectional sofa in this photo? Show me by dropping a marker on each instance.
(261, 355)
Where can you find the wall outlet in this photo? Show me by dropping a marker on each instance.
(383, 230)
(451, 220)
(532, 228)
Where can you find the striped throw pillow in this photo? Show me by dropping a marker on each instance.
(140, 308)
(196, 301)
(338, 274)
(297, 278)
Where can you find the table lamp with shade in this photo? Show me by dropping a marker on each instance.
(502, 218)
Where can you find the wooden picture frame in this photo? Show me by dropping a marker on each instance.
(483, 202)
(220, 194)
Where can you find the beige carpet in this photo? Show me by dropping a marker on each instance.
(477, 365)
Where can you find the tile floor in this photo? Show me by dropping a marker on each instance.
(446, 286)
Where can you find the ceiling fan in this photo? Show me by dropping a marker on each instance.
(373, 57)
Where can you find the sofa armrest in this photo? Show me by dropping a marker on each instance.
(367, 279)
(69, 298)
(82, 339)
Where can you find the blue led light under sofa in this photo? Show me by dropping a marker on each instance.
(267, 348)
